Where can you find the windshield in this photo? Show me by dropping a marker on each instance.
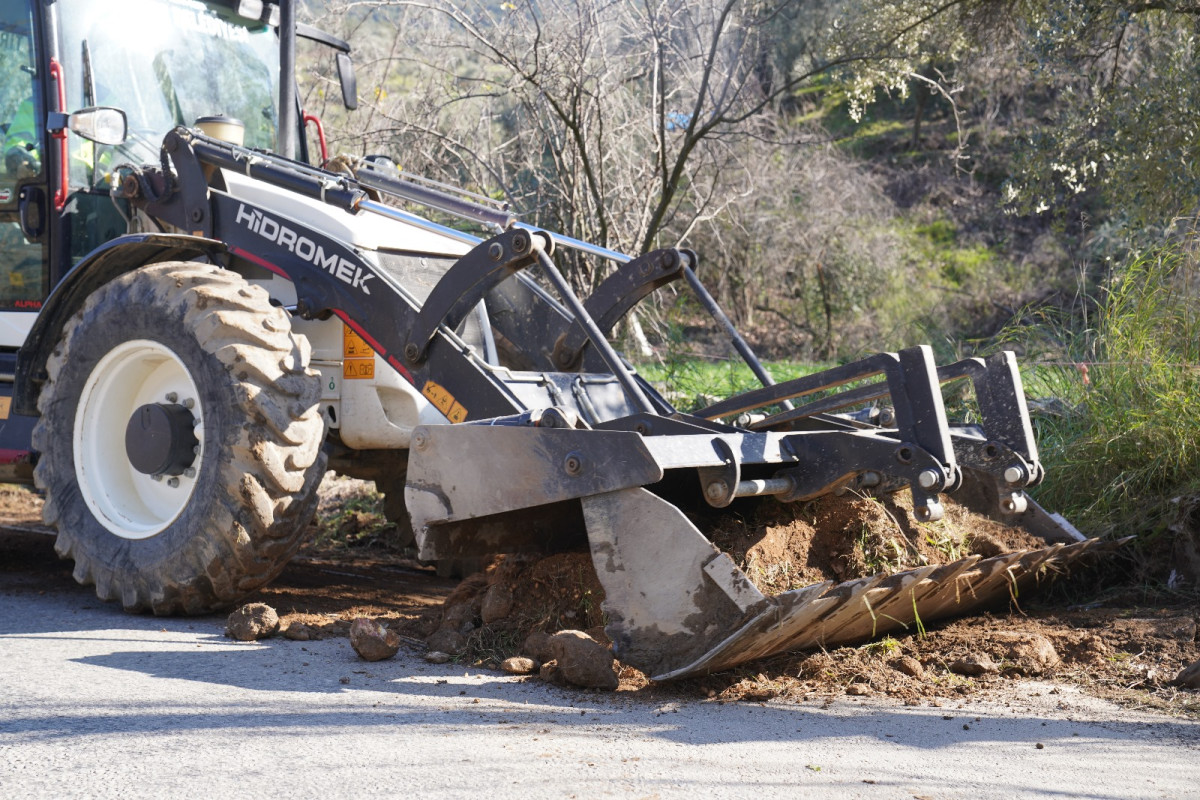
(166, 63)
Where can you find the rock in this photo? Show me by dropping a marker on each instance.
(909, 666)
(461, 617)
(974, 665)
(251, 622)
(447, 640)
(497, 603)
(372, 641)
(583, 661)
(1033, 654)
(860, 689)
(550, 673)
(537, 646)
(298, 632)
(518, 665)
(437, 657)
(1189, 677)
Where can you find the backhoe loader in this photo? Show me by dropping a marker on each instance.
(196, 322)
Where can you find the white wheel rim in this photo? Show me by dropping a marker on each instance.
(129, 503)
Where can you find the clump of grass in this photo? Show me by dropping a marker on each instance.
(1124, 437)
(351, 515)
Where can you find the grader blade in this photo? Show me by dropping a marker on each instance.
(677, 606)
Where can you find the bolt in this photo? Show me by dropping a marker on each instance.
(197, 214)
(573, 464)
(929, 478)
(189, 472)
(1008, 505)
(172, 397)
(420, 440)
(716, 490)
(156, 477)
(173, 482)
(923, 513)
(520, 243)
(904, 454)
(495, 251)
(869, 479)
(189, 403)
(1014, 474)
(412, 352)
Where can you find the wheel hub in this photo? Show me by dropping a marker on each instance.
(139, 401)
(159, 439)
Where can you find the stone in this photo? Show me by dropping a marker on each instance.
(859, 689)
(537, 646)
(437, 657)
(251, 622)
(461, 617)
(550, 673)
(372, 641)
(909, 666)
(497, 603)
(518, 665)
(1189, 677)
(1033, 654)
(974, 665)
(298, 632)
(583, 661)
(447, 640)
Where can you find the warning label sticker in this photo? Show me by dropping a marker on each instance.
(444, 402)
(359, 363)
(358, 369)
(354, 346)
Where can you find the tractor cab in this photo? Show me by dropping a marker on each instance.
(164, 63)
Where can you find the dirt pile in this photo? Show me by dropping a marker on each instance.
(782, 547)
(495, 615)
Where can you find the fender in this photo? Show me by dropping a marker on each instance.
(110, 260)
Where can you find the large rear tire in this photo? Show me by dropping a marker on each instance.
(202, 347)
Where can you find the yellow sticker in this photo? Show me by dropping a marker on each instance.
(444, 402)
(5, 405)
(354, 346)
(358, 369)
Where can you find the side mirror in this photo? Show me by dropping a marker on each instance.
(345, 68)
(100, 124)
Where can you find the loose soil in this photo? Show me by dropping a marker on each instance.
(1124, 642)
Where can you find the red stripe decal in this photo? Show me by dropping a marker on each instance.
(246, 254)
(14, 456)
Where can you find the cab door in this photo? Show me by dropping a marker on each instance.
(24, 208)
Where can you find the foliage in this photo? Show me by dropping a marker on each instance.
(1123, 438)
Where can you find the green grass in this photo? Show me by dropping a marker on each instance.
(692, 383)
(1119, 447)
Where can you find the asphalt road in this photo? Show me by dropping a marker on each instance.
(97, 703)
